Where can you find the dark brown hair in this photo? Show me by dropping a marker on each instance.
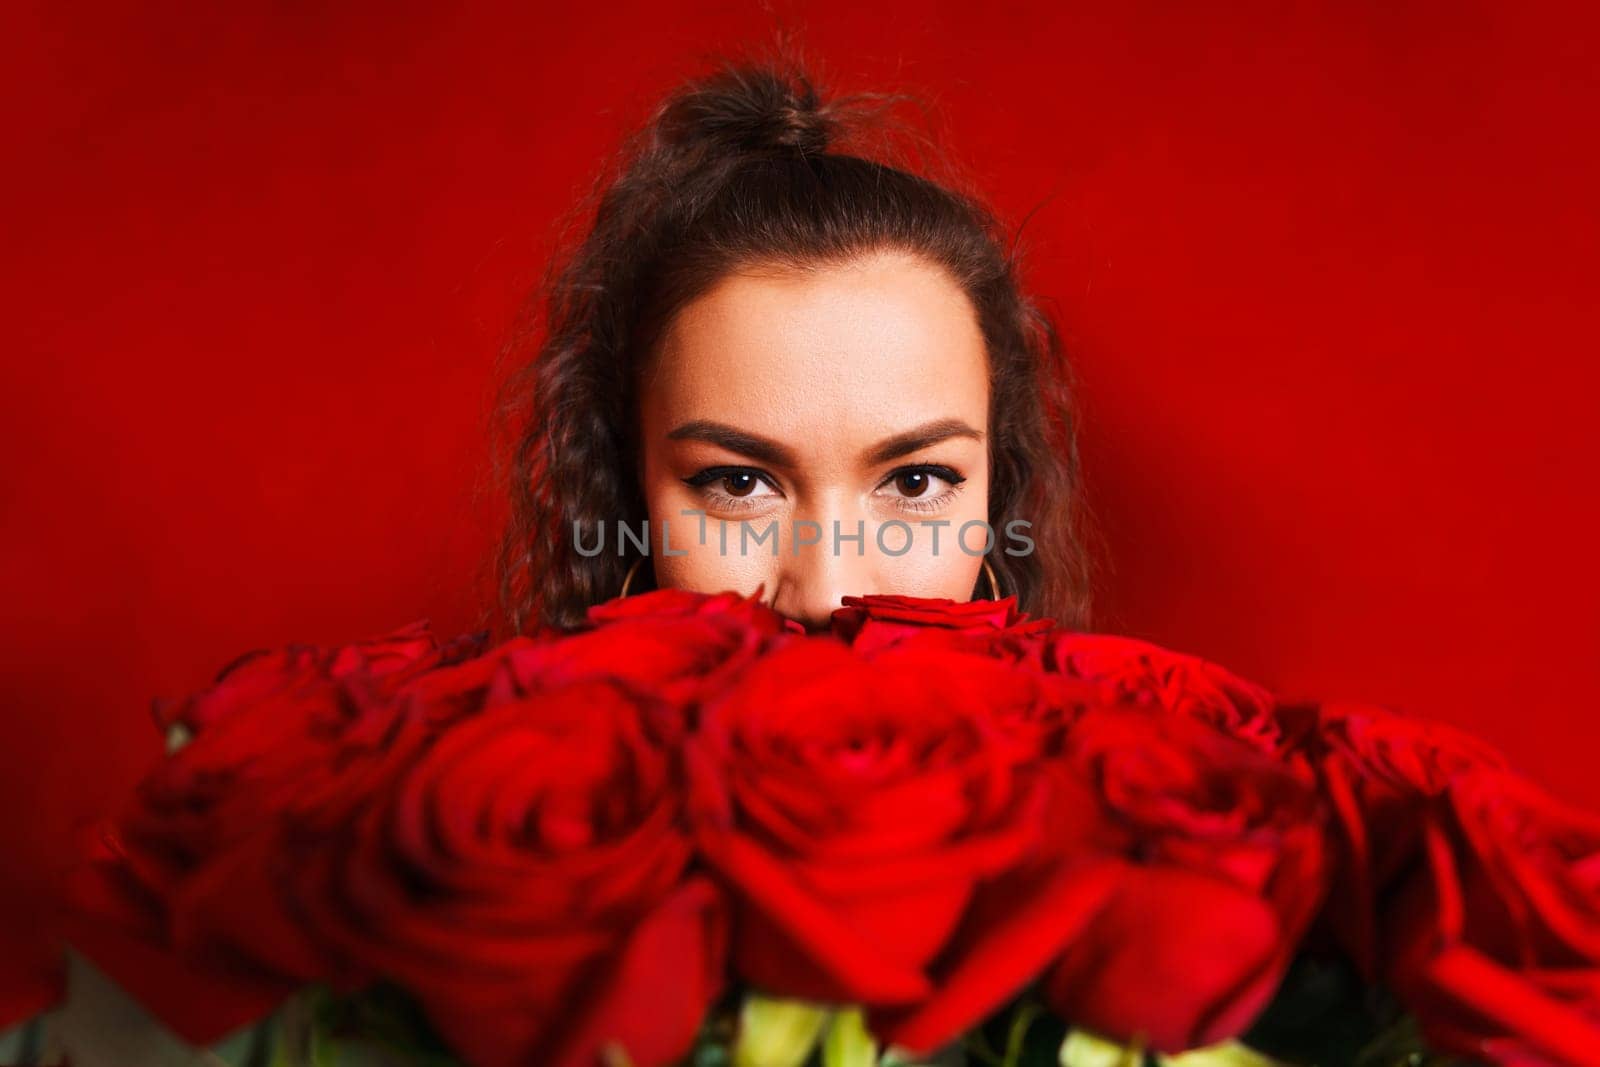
(752, 165)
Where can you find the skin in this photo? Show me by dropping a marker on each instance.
(824, 367)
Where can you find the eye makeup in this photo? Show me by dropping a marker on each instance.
(725, 501)
(932, 502)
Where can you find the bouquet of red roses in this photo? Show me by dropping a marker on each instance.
(689, 834)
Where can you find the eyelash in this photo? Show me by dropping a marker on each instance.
(726, 502)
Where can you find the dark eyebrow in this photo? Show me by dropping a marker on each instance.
(770, 451)
(929, 433)
(735, 440)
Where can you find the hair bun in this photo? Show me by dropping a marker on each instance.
(750, 109)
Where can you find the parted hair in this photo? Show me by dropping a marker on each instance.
(754, 165)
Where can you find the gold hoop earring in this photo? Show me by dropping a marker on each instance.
(628, 580)
(994, 586)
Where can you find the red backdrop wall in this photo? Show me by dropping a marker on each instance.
(1325, 270)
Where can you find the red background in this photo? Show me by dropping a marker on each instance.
(1325, 270)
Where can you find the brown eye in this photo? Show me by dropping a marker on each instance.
(740, 483)
(912, 483)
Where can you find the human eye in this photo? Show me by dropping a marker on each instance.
(733, 488)
(914, 488)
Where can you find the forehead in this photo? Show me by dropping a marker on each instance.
(850, 351)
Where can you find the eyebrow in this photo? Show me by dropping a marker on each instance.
(769, 451)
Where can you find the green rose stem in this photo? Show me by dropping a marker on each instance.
(1026, 1013)
(979, 1046)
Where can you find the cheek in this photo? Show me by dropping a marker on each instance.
(713, 567)
(934, 565)
(949, 576)
(703, 570)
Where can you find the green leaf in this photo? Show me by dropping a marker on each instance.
(378, 1027)
(777, 1033)
(250, 1046)
(1226, 1054)
(848, 1043)
(1084, 1049)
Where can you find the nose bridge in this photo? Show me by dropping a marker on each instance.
(818, 569)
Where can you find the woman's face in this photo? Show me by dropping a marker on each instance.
(788, 411)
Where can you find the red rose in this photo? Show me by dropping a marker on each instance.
(1139, 672)
(525, 879)
(193, 864)
(873, 622)
(1379, 770)
(672, 642)
(450, 693)
(1223, 870)
(853, 806)
(1181, 870)
(1496, 944)
(681, 603)
(1395, 755)
(1026, 706)
(384, 661)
